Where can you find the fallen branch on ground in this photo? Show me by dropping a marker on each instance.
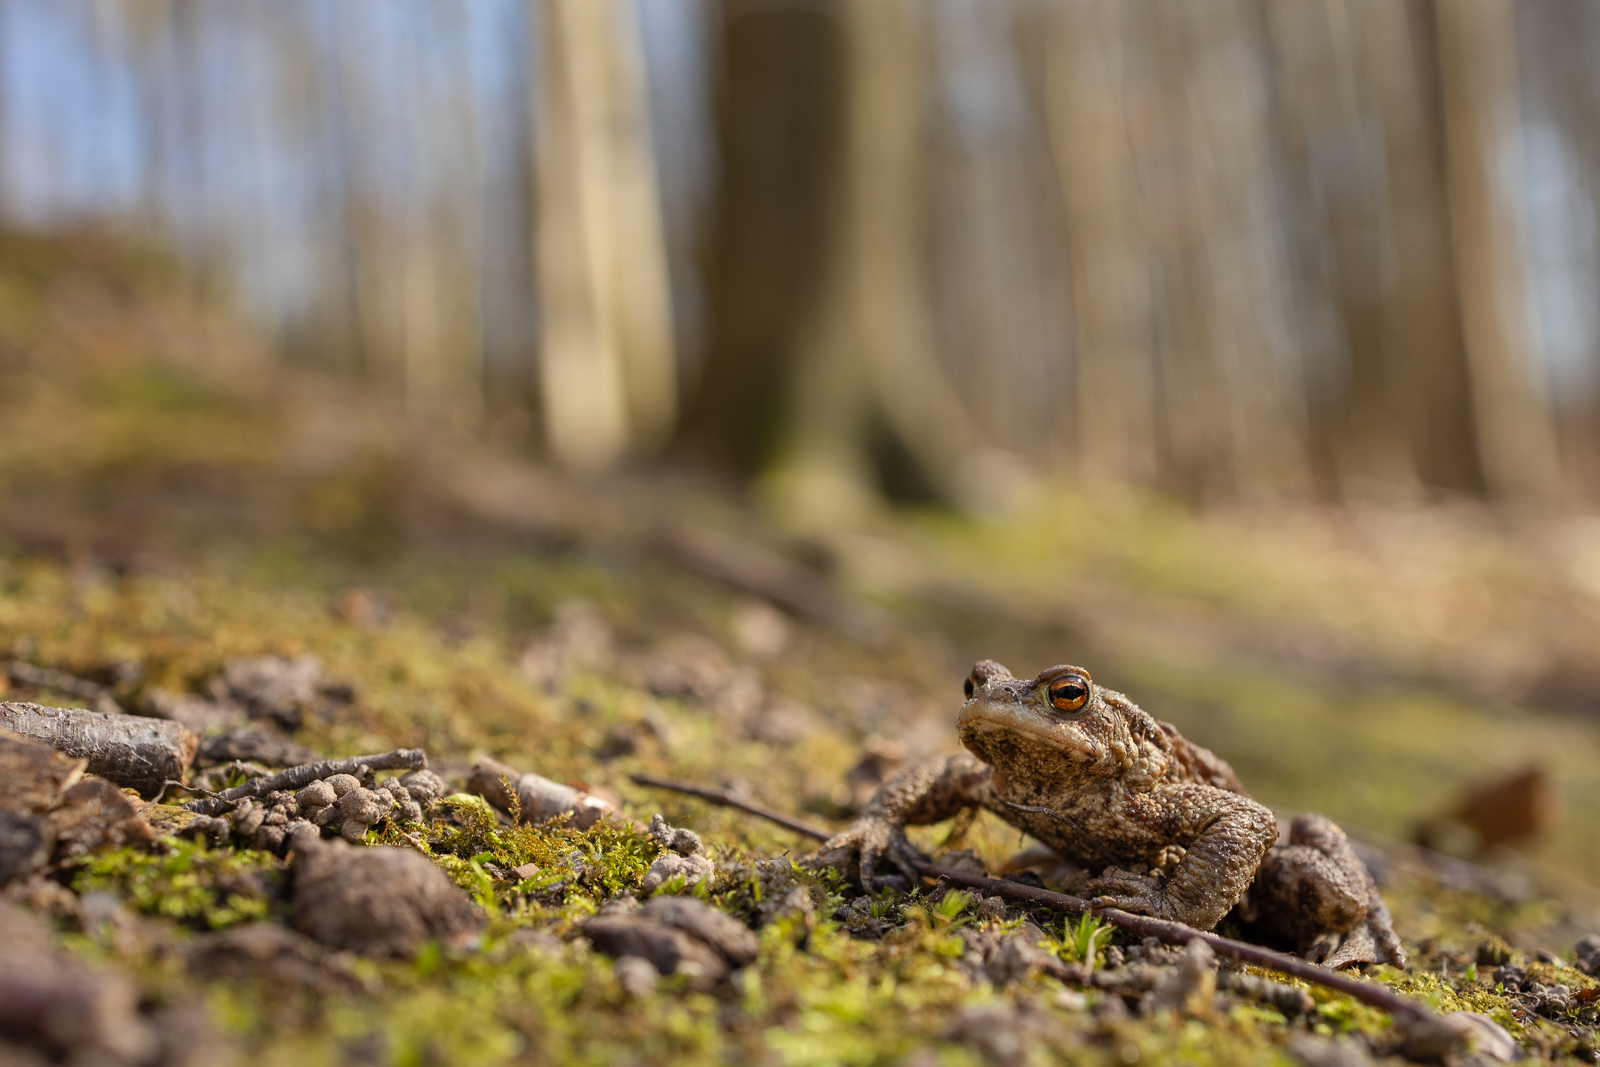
(408, 759)
(728, 800)
(129, 750)
(1371, 993)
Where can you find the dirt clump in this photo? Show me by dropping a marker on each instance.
(379, 901)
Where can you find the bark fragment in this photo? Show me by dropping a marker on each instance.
(536, 798)
(95, 814)
(129, 750)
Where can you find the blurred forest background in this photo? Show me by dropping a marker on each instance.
(1246, 350)
(1341, 250)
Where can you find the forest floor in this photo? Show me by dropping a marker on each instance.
(170, 502)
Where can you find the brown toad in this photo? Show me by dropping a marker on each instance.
(1109, 788)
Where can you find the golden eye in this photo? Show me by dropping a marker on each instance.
(970, 686)
(1069, 692)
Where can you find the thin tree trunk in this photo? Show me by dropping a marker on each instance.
(1478, 68)
(779, 119)
(1421, 317)
(869, 351)
(1113, 305)
(608, 373)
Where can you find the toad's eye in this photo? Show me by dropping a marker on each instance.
(969, 686)
(1069, 692)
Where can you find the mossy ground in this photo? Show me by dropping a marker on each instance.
(157, 514)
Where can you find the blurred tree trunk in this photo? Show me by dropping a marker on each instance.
(1337, 225)
(442, 286)
(1420, 332)
(820, 350)
(866, 360)
(1232, 416)
(1113, 304)
(1478, 66)
(608, 376)
(1564, 98)
(779, 131)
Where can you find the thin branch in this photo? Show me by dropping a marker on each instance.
(1174, 933)
(728, 800)
(411, 759)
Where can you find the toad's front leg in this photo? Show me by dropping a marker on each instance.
(928, 792)
(1224, 835)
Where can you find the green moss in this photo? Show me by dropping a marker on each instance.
(185, 881)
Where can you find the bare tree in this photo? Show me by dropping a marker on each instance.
(1478, 65)
(607, 367)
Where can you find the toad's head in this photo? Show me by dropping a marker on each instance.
(1058, 725)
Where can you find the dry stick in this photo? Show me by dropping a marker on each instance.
(411, 759)
(1174, 933)
(728, 800)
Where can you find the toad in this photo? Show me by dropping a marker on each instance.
(1166, 823)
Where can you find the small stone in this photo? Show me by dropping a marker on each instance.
(1445, 1037)
(343, 783)
(991, 909)
(258, 950)
(1493, 953)
(252, 746)
(314, 797)
(637, 976)
(248, 817)
(1070, 1000)
(1189, 987)
(215, 830)
(998, 1031)
(364, 806)
(424, 786)
(302, 834)
(675, 839)
(268, 839)
(1314, 1051)
(354, 831)
(737, 944)
(668, 950)
(1588, 953)
(51, 1004)
(695, 869)
(24, 845)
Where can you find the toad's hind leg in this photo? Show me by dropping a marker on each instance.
(1316, 893)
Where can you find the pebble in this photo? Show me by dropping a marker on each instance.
(684, 854)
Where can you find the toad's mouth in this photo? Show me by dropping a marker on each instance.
(983, 723)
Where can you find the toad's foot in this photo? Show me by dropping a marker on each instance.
(1137, 893)
(862, 848)
(1373, 940)
(1316, 893)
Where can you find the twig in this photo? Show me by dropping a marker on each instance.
(728, 800)
(1178, 934)
(1174, 933)
(412, 759)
